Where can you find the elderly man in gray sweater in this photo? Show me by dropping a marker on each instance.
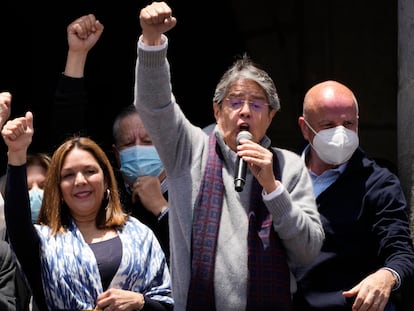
(230, 248)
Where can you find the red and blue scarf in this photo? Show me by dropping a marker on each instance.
(269, 277)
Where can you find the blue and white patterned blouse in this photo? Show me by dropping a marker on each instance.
(70, 272)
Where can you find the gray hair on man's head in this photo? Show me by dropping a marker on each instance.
(245, 68)
(125, 112)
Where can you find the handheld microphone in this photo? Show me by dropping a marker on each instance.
(241, 167)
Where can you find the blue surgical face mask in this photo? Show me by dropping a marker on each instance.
(36, 197)
(137, 161)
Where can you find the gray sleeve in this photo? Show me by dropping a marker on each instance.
(295, 215)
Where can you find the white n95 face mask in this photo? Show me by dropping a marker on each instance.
(334, 145)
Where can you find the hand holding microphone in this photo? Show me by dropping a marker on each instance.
(241, 166)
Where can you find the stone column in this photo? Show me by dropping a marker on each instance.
(406, 100)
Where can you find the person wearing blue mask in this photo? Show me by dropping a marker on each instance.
(145, 192)
(37, 166)
(367, 258)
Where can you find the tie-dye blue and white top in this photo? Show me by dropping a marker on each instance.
(70, 274)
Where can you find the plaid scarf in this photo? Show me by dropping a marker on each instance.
(269, 278)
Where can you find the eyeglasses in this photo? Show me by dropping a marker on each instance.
(236, 103)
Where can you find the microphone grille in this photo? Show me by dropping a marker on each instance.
(244, 135)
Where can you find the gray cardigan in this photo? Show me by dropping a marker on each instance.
(183, 150)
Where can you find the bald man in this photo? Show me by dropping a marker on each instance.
(367, 256)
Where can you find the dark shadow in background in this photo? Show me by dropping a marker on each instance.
(33, 54)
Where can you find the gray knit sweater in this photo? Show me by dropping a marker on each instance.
(183, 149)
